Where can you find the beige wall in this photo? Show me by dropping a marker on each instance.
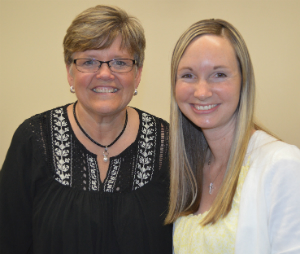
(33, 77)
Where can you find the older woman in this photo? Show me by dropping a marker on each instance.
(234, 187)
(90, 177)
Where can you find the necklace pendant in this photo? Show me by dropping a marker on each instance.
(211, 187)
(105, 155)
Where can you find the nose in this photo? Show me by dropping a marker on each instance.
(104, 72)
(202, 90)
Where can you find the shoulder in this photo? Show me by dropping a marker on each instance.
(145, 116)
(45, 114)
(272, 161)
(33, 125)
(270, 197)
(267, 148)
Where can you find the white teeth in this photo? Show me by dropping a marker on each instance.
(205, 107)
(104, 90)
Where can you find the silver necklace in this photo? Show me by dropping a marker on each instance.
(105, 152)
(211, 185)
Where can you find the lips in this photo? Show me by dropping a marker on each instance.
(206, 107)
(105, 90)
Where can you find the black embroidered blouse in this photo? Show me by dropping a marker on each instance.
(52, 199)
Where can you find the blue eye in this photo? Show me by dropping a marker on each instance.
(89, 62)
(187, 76)
(119, 63)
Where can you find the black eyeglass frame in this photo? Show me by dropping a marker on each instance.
(107, 62)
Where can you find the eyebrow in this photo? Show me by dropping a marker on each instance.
(185, 68)
(93, 56)
(219, 67)
(96, 58)
(214, 68)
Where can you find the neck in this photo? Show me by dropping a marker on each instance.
(100, 129)
(219, 143)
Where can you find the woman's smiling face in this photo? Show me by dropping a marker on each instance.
(104, 92)
(208, 82)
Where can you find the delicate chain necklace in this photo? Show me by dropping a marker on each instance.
(105, 152)
(211, 185)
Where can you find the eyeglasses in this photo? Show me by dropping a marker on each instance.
(88, 65)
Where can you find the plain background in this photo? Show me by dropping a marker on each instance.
(33, 76)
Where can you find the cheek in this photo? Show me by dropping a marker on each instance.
(83, 80)
(228, 92)
(182, 92)
(235, 95)
(127, 81)
(133, 81)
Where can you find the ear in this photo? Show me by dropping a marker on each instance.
(138, 76)
(70, 75)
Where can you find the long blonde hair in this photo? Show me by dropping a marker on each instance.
(188, 146)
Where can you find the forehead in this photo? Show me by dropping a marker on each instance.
(115, 50)
(213, 49)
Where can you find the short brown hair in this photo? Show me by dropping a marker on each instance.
(97, 28)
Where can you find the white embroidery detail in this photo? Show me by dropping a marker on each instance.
(145, 164)
(92, 164)
(61, 144)
(112, 178)
(62, 156)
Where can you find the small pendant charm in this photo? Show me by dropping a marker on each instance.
(211, 187)
(105, 155)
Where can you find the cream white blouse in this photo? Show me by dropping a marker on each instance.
(191, 238)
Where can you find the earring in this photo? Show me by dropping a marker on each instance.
(135, 92)
(72, 89)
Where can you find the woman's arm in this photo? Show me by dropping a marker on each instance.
(16, 196)
(269, 215)
(282, 193)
